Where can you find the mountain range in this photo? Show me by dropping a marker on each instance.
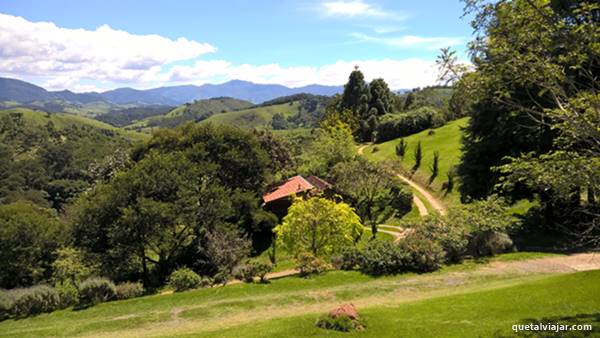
(24, 92)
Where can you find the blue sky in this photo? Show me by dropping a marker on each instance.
(97, 45)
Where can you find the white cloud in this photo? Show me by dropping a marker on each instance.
(400, 74)
(356, 8)
(105, 58)
(409, 41)
(42, 49)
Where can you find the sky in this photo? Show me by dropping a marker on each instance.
(100, 45)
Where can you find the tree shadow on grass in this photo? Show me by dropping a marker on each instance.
(579, 319)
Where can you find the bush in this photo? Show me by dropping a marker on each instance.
(5, 304)
(383, 258)
(490, 243)
(341, 323)
(453, 237)
(348, 259)
(184, 279)
(308, 264)
(96, 290)
(424, 253)
(252, 269)
(129, 290)
(33, 300)
(67, 293)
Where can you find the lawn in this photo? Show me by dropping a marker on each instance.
(446, 140)
(488, 313)
(446, 302)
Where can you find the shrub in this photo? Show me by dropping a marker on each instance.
(34, 300)
(67, 293)
(349, 258)
(424, 253)
(252, 269)
(490, 243)
(308, 264)
(453, 237)
(96, 290)
(221, 278)
(341, 323)
(383, 258)
(184, 279)
(129, 290)
(5, 304)
(70, 266)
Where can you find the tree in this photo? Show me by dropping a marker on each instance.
(333, 144)
(373, 191)
(418, 154)
(279, 122)
(535, 105)
(381, 98)
(319, 226)
(356, 94)
(435, 166)
(29, 236)
(401, 148)
(226, 248)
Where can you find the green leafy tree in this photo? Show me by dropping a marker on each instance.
(373, 191)
(29, 235)
(534, 105)
(319, 226)
(334, 144)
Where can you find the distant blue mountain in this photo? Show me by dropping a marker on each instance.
(21, 91)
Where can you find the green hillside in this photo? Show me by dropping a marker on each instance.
(258, 117)
(196, 111)
(446, 140)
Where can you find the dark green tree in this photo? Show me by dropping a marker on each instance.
(418, 155)
(401, 148)
(435, 166)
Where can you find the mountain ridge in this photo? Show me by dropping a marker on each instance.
(25, 92)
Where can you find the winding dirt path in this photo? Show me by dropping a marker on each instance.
(433, 201)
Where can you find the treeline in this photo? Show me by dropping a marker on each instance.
(376, 114)
(126, 116)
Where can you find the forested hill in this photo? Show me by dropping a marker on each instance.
(50, 158)
(164, 116)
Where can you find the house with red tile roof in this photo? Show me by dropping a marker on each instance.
(279, 198)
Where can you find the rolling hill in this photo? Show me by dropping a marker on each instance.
(196, 111)
(446, 140)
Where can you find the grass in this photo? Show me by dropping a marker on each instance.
(488, 313)
(446, 140)
(258, 118)
(452, 299)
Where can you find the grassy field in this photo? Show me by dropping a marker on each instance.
(259, 117)
(487, 313)
(466, 300)
(446, 140)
